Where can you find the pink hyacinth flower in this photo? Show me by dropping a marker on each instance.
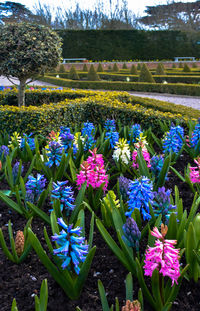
(163, 256)
(146, 156)
(195, 172)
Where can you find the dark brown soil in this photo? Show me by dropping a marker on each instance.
(24, 280)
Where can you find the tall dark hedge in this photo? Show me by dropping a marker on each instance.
(127, 44)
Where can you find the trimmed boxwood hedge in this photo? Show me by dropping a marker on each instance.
(95, 107)
(179, 89)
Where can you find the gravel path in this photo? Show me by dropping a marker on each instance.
(189, 101)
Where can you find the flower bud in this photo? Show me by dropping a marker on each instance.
(19, 243)
(132, 306)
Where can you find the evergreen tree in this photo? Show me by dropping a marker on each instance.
(61, 69)
(115, 68)
(124, 66)
(145, 75)
(133, 70)
(73, 75)
(138, 66)
(186, 68)
(160, 70)
(99, 68)
(92, 75)
(85, 68)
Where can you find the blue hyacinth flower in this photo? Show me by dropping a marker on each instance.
(173, 140)
(113, 137)
(66, 137)
(4, 152)
(110, 126)
(34, 187)
(135, 132)
(156, 162)
(88, 132)
(64, 194)
(15, 170)
(29, 140)
(73, 250)
(132, 233)
(140, 195)
(195, 135)
(54, 153)
(162, 205)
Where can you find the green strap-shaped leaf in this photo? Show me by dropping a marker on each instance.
(104, 301)
(129, 287)
(44, 295)
(4, 247)
(85, 268)
(90, 241)
(155, 285)
(163, 173)
(11, 203)
(14, 305)
(78, 202)
(39, 212)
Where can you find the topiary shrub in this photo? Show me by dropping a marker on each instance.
(160, 70)
(73, 75)
(174, 66)
(194, 65)
(115, 68)
(62, 69)
(145, 75)
(186, 68)
(133, 70)
(92, 75)
(26, 51)
(85, 68)
(124, 66)
(180, 65)
(100, 68)
(138, 66)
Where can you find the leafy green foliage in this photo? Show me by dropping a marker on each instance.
(145, 75)
(73, 75)
(92, 75)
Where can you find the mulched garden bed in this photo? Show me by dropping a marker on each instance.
(24, 280)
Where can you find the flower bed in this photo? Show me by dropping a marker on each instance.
(100, 196)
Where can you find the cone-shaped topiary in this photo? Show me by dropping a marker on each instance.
(133, 70)
(180, 65)
(138, 66)
(100, 68)
(124, 66)
(73, 75)
(186, 68)
(92, 75)
(160, 69)
(145, 75)
(85, 68)
(174, 66)
(194, 65)
(61, 69)
(115, 68)
(109, 67)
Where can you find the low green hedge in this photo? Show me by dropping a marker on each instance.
(134, 78)
(39, 97)
(96, 107)
(180, 89)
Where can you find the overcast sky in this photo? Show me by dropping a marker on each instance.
(138, 6)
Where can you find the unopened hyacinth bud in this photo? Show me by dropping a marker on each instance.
(19, 243)
(123, 187)
(4, 151)
(162, 204)
(132, 306)
(15, 170)
(132, 234)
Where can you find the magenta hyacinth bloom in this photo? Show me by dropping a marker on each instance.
(195, 172)
(163, 256)
(93, 172)
(146, 156)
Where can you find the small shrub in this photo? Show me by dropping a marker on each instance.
(115, 68)
(180, 65)
(186, 68)
(138, 66)
(73, 75)
(160, 70)
(61, 69)
(174, 66)
(100, 68)
(92, 74)
(145, 75)
(194, 65)
(124, 66)
(133, 70)
(85, 68)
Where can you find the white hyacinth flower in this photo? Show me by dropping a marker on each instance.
(122, 151)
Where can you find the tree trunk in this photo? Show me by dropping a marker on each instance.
(21, 93)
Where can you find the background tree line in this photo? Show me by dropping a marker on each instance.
(170, 16)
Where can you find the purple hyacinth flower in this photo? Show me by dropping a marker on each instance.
(65, 195)
(132, 234)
